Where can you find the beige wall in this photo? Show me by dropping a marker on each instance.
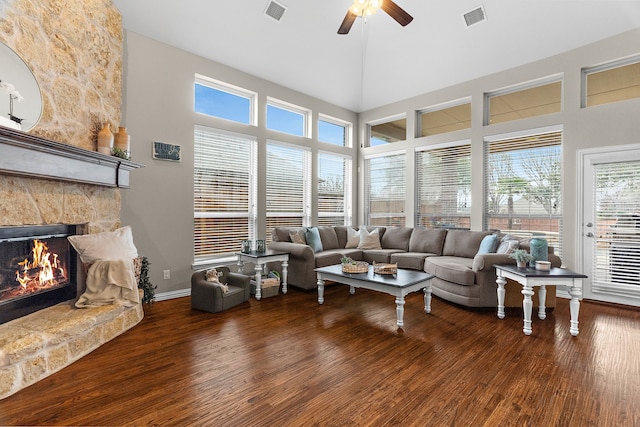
(159, 107)
(612, 124)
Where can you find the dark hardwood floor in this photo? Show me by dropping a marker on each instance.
(287, 361)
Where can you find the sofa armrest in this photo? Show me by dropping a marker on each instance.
(487, 261)
(295, 250)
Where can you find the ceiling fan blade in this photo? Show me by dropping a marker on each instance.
(348, 21)
(396, 12)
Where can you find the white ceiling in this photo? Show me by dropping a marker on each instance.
(304, 52)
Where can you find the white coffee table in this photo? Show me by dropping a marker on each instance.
(398, 285)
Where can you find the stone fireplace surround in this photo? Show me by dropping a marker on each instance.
(40, 344)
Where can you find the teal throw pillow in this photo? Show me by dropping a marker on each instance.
(312, 236)
(489, 244)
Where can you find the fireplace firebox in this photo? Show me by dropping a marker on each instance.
(37, 269)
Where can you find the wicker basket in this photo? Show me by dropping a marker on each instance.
(357, 267)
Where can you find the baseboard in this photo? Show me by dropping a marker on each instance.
(173, 294)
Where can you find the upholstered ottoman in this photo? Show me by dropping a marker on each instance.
(211, 297)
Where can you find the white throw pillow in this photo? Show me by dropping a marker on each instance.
(353, 238)
(369, 240)
(110, 245)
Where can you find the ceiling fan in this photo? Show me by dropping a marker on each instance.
(365, 8)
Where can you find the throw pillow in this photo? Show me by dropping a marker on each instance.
(353, 238)
(369, 240)
(297, 236)
(109, 245)
(489, 244)
(312, 236)
(508, 246)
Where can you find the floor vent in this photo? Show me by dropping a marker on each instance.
(475, 16)
(275, 10)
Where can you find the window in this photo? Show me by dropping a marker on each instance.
(287, 118)
(334, 189)
(443, 187)
(523, 188)
(450, 118)
(388, 132)
(334, 131)
(530, 100)
(224, 192)
(224, 101)
(288, 186)
(612, 82)
(385, 190)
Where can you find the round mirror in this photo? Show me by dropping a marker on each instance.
(20, 98)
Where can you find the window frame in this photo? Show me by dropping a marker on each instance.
(442, 107)
(368, 215)
(378, 122)
(347, 213)
(585, 72)
(232, 90)
(348, 130)
(292, 108)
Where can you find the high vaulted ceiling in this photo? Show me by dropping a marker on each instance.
(303, 51)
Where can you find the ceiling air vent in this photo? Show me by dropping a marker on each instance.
(474, 16)
(275, 10)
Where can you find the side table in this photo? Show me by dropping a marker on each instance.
(529, 277)
(260, 259)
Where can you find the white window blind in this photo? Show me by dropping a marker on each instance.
(334, 189)
(288, 186)
(443, 176)
(617, 228)
(523, 187)
(385, 190)
(224, 192)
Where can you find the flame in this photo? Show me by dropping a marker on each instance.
(42, 270)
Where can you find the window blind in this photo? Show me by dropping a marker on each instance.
(288, 186)
(334, 189)
(385, 190)
(443, 186)
(617, 228)
(224, 192)
(523, 187)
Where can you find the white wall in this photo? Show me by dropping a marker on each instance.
(611, 124)
(158, 106)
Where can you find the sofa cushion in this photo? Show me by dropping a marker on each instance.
(326, 258)
(452, 269)
(341, 233)
(369, 239)
(378, 255)
(281, 234)
(396, 238)
(353, 238)
(328, 237)
(463, 243)
(427, 240)
(312, 236)
(410, 260)
(297, 236)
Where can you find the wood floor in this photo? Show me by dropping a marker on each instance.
(287, 361)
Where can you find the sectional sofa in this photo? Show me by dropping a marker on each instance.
(462, 274)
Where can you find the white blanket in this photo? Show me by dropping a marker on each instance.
(110, 282)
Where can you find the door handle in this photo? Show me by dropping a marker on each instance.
(588, 224)
(589, 234)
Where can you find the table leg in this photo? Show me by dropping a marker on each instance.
(285, 265)
(320, 289)
(574, 307)
(427, 298)
(258, 269)
(352, 290)
(527, 306)
(400, 311)
(542, 299)
(501, 281)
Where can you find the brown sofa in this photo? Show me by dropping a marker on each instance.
(461, 274)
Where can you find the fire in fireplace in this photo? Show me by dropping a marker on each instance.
(37, 269)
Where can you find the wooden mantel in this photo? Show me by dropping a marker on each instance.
(28, 155)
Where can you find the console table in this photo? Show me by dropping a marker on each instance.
(260, 259)
(529, 277)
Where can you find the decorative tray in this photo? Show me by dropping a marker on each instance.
(355, 267)
(379, 268)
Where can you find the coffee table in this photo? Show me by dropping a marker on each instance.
(260, 259)
(529, 277)
(398, 285)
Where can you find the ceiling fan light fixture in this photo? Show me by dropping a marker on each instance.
(365, 7)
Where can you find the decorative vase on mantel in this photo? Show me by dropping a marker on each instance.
(122, 139)
(105, 140)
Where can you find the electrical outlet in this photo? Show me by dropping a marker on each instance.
(167, 274)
